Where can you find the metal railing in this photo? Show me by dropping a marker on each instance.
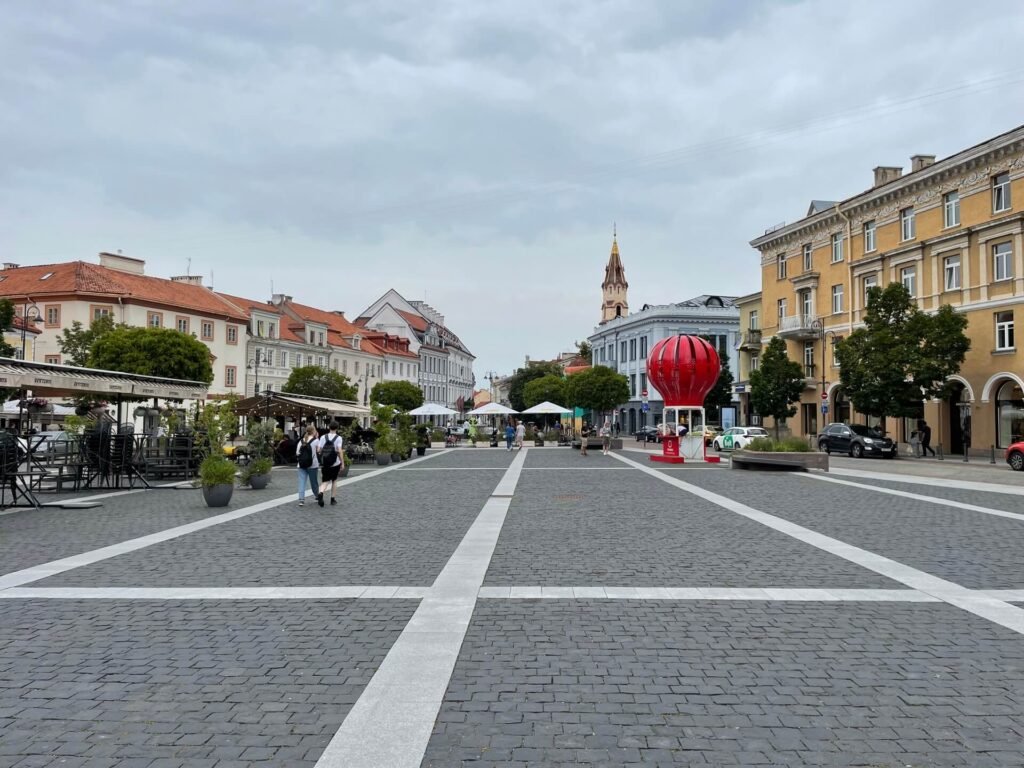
(796, 323)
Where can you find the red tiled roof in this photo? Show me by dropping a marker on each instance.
(286, 331)
(31, 327)
(82, 278)
(418, 322)
(340, 331)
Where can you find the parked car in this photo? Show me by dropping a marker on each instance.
(53, 444)
(647, 435)
(857, 440)
(737, 438)
(710, 433)
(1015, 456)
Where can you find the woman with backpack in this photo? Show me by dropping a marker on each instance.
(306, 454)
(330, 459)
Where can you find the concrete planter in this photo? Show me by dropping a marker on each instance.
(259, 482)
(218, 495)
(779, 460)
(383, 459)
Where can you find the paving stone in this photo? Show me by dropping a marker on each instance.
(93, 651)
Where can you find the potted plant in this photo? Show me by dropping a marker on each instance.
(256, 472)
(214, 421)
(382, 450)
(384, 445)
(217, 477)
(346, 462)
(422, 440)
(405, 434)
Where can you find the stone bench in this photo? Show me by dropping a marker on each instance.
(793, 462)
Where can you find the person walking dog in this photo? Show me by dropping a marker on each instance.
(331, 459)
(308, 464)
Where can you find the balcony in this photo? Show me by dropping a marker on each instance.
(810, 379)
(798, 327)
(751, 340)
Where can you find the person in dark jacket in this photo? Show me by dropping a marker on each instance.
(926, 437)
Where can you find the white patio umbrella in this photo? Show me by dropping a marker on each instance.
(432, 409)
(492, 409)
(547, 407)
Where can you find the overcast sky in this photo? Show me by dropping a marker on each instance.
(473, 153)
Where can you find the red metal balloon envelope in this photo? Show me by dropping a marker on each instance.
(683, 369)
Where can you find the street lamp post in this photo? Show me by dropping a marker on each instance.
(819, 329)
(254, 366)
(29, 312)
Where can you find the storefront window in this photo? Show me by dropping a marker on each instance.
(1009, 414)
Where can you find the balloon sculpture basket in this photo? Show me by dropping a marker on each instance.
(689, 448)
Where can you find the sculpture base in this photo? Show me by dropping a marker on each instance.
(667, 459)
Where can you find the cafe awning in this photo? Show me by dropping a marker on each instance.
(48, 380)
(286, 404)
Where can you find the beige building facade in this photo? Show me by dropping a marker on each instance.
(951, 232)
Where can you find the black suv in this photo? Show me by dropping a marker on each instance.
(856, 440)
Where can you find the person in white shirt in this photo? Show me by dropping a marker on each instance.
(520, 435)
(306, 458)
(330, 449)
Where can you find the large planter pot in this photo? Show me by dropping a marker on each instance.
(343, 472)
(218, 495)
(421, 450)
(396, 457)
(383, 459)
(796, 461)
(259, 482)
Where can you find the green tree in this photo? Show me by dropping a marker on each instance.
(550, 387)
(902, 355)
(598, 389)
(152, 352)
(584, 350)
(6, 321)
(76, 342)
(401, 394)
(314, 381)
(721, 394)
(776, 384)
(524, 376)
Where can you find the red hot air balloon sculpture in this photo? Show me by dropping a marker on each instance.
(683, 369)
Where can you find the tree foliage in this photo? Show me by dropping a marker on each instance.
(152, 352)
(585, 351)
(550, 387)
(598, 389)
(524, 376)
(402, 394)
(720, 395)
(314, 381)
(76, 343)
(902, 355)
(7, 321)
(776, 384)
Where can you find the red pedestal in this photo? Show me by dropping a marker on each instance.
(669, 451)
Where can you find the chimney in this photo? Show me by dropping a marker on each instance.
(10, 265)
(917, 162)
(190, 279)
(123, 263)
(886, 173)
(279, 298)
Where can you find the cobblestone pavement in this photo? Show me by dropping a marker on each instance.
(819, 624)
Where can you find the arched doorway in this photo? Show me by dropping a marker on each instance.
(1009, 402)
(957, 407)
(632, 420)
(840, 407)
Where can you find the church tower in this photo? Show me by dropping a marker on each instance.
(614, 287)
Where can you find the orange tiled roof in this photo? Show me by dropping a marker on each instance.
(286, 332)
(339, 330)
(31, 327)
(82, 278)
(418, 322)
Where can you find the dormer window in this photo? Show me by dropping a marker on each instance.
(357, 341)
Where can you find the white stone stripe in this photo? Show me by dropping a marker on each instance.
(452, 469)
(215, 593)
(37, 572)
(391, 722)
(708, 593)
(997, 611)
(938, 482)
(1009, 595)
(918, 497)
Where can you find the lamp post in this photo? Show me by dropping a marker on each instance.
(259, 358)
(29, 312)
(819, 329)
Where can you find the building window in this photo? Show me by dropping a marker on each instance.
(230, 375)
(643, 347)
(283, 359)
(782, 266)
(232, 334)
(52, 315)
(952, 273)
(632, 385)
(320, 338)
(270, 331)
(320, 361)
(871, 281)
(52, 359)
(837, 299)
(806, 305)
(259, 329)
(207, 330)
(951, 209)
(869, 236)
(754, 323)
(837, 248)
(908, 276)
(755, 360)
(181, 323)
(298, 359)
(344, 367)
(1001, 193)
(808, 259)
(154, 319)
(907, 228)
(632, 349)
(1004, 331)
(101, 311)
(622, 351)
(643, 383)
(835, 351)
(1009, 407)
(312, 337)
(357, 367)
(1002, 268)
(781, 304)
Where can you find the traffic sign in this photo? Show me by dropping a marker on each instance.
(824, 407)
(645, 407)
(643, 393)
(824, 395)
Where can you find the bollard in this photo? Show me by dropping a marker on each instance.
(941, 457)
(992, 458)
(965, 453)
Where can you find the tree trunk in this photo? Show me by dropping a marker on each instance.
(776, 430)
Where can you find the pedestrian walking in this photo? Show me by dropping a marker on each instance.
(306, 454)
(926, 438)
(510, 435)
(606, 438)
(331, 459)
(520, 435)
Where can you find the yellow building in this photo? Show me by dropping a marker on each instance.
(749, 355)
(22, 337)
(949, 230)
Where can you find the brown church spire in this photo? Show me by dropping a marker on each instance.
(614, 287)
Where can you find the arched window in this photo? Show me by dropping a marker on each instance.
(1009, 414)
(618, 310)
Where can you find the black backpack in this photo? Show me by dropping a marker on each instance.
(306, 454)
(329, 453)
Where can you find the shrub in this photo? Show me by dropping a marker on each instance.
(255, 467)
(216, 470)
(786, 445)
